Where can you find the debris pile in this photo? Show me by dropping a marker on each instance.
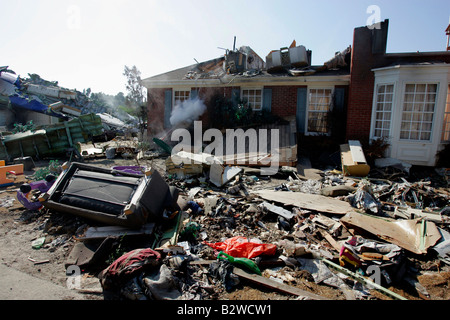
(21, 99)
(178, 232)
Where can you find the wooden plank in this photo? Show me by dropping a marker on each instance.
(276, 285)
(201, 262)
(331, 240)
(307, 201)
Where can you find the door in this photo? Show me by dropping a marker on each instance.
(417, 133)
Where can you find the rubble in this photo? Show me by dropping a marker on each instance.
(52, 140)
(335, 237)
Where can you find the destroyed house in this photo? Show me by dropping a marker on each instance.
(403, 98)
(284, 85)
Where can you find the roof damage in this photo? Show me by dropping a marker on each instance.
(244, 63)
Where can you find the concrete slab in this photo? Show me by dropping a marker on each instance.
(16, 285)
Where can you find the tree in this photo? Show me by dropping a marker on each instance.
(87, 92)
(135, 99)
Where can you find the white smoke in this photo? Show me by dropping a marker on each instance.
(187, 111)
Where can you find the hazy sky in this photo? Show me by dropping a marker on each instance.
(86, 44)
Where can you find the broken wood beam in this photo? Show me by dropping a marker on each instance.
(336, 246)
(276, 285)
(38, 262)
(201, 262)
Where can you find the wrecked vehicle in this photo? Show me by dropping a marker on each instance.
(110, 196)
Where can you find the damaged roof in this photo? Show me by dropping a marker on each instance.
(204, 68)
(216, 72)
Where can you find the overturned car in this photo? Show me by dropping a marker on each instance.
(110, 196)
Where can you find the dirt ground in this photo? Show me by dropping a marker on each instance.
(19, 228)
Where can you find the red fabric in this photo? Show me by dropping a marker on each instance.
(240, 247)
(133, 261)
(122, 269)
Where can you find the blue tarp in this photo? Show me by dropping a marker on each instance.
(34, 105)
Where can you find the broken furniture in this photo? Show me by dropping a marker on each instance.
(28, 194)
(353, 160)
(14, 169)
(110, 196)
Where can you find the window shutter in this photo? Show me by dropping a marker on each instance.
(167, 107)
(194, 94)
(301, 109)
(339, 99)
(235, 95)
(267, 100)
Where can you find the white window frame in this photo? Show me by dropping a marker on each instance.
(308, 111)
(418, 116)
(384, 112)
(446, 125)
(174, 95)
(251, 102)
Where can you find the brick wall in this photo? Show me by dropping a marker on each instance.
(207, 94)
(155, 109)
(284, 100)
(156, 106)
(362, 78)
(283, 104)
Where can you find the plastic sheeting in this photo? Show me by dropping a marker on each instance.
(34, 105)
(243, 248)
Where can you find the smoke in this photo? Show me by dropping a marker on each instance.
(188, 111)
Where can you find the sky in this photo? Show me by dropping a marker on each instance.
(86, 44)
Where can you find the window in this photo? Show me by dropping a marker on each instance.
(418, 109)
(180, 96)
(446, 129)
(253, 97)
(319, 104)
(383, 110)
